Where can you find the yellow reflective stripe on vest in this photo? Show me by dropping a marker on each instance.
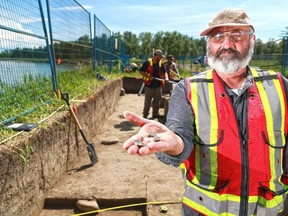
(194, 95)
(272, 128)
(213, 121)
(203, 208)
(214, 125)
(150, 60)
(219, 204)
(225, 201)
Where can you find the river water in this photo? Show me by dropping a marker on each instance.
(12, 71)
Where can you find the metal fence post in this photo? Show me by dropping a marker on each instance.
(111, 52)
(91, 42)
(94, 44)
(55, 87)
(285, 55)
(52, 55)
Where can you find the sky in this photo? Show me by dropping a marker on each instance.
(189, 17)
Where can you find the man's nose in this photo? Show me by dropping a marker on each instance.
(227, 42)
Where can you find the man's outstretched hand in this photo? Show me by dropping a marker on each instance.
(152, 137)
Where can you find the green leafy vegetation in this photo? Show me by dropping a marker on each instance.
(178, 44)
(41, 101)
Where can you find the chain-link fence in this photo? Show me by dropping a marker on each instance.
(38, 45)
(70, 38)
(24, 59)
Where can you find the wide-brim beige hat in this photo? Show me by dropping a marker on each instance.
(228, 17)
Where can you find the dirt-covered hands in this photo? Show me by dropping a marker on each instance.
(152, 137)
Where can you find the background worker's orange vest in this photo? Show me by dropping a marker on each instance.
(150, 72)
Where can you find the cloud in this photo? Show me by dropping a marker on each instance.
(68, 8)
(88, 7)
(9, 38)
(187, 17)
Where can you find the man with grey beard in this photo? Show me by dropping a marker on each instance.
(226, 128)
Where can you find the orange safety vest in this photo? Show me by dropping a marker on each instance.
(150, 71)
(224, 169)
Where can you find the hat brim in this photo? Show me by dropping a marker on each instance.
(162, 56)
(208, 30)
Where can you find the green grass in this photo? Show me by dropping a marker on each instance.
(34, 99)
(269, 65)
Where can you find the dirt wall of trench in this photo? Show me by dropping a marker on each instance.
(33, 162)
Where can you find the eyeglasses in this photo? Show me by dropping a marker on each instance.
(234, 37)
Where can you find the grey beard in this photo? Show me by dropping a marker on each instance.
(231, 66)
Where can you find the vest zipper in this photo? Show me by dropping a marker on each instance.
(244, 181)
(243, 211)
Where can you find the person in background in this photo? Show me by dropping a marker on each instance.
(227, 128)
(172, 70)
(152, 70)
(171, 67)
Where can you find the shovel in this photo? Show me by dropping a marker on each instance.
(90, 146)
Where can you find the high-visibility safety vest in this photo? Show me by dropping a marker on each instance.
(228, 173)
(150, 71)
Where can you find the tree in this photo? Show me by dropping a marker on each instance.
(158, 41)
(132, 43)
(259, 48)
(146, 47)
(85, 40)
(174, 43)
